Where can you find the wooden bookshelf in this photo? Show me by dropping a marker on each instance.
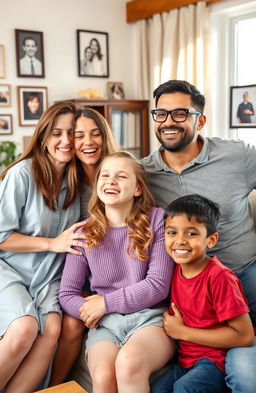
(129, 120)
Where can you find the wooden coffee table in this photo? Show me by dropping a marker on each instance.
(68, 387)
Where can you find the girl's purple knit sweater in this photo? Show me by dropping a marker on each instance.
(127, 284)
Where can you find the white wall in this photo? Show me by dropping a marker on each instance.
(59, 20)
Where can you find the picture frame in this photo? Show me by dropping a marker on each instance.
(115, 91)
(243, 106)
(32, 102)
(2, 61)
(5, 95)
(92, 54)
(6, 124)
(29, 53)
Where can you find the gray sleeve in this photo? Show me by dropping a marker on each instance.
(249, 159)
(13, 191)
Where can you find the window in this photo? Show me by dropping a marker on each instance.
(244, 31)
(243, 61)
(233, 62)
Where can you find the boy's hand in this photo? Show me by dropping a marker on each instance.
(173, 324)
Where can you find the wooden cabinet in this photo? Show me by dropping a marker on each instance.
(129, 120)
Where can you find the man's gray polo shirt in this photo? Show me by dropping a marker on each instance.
(225, 172)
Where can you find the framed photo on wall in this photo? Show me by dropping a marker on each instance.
(92, 53)
(29, 53)
(243, 106)
(32, 102)
(5, 95)
(5, 124)
(115, 90)
(2, 62)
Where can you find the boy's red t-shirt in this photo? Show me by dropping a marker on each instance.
(206, 301)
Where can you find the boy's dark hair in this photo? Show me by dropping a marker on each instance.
(204, 210)
(179, 86)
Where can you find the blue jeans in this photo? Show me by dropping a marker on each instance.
(240, 362)
(204, 377)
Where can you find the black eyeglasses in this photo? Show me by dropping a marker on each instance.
(178, 115)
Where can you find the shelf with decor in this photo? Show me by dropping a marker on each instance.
(129, 120)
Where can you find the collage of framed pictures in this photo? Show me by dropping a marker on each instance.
(32, 102)
(5, 95)
(242, 110)
(92, 53)
(29, 53)
(6, 127)
(5, 124)
(115, 90)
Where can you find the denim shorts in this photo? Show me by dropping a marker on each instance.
(118, 328)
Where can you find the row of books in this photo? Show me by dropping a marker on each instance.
(126, 128)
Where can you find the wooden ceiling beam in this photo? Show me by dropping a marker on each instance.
(143, 9)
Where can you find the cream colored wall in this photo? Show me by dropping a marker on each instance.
(59, 20)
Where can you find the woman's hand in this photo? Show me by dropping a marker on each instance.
(92, 310)
(68, 239)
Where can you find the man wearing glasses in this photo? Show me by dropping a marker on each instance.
(221, 170)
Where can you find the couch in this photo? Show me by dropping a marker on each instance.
(80, 371)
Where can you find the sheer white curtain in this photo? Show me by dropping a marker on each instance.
(174, 45)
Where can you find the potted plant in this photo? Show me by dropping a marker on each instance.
(7, 154)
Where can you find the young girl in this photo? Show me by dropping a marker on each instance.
(126, 263)
(93, 140)
(38, 201)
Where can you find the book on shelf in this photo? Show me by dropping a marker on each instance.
(117, 126)
(126, 128)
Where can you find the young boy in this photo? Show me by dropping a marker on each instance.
(208, 312)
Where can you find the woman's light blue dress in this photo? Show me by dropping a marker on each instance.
(29, 282)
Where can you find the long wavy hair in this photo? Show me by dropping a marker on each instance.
(137, 221)
(98, 53)
(43, 170)
(109, 145)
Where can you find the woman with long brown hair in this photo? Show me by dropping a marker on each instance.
(125, 260)
(38, 202)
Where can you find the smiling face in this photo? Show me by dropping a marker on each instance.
(30, 47)
(94, 46)
(33, 104)
(88, 142)
(186, 241)
(88, 53)
(60, 142)
(177, 136)
(117, 184)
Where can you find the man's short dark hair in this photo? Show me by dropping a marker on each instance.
(202, 209)
(179, 86)
(29, 38)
